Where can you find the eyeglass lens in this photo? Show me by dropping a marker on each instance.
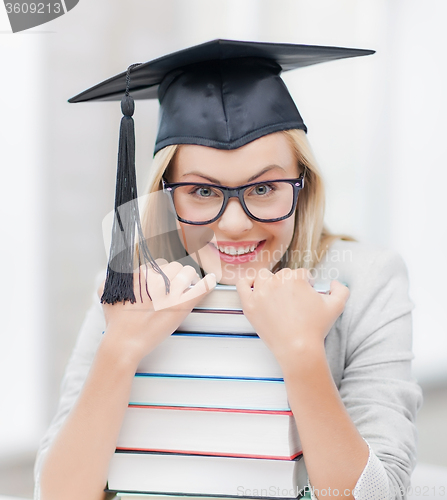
(200, 203)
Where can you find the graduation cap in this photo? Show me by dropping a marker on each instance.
(222, 94)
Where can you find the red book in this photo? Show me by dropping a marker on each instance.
(210, 431)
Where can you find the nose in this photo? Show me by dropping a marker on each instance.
(234, 220)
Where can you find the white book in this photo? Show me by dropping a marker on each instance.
(209, 392)
(221, 312)
(241, 356)
(217, 321)
(243, 433)
(150, 496)
(225, 297)
(212, 476)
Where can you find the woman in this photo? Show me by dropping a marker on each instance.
(347, 375)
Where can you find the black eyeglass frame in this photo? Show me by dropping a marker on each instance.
(235, 192)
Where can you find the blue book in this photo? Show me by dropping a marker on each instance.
(149, 389)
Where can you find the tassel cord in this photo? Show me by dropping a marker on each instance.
(119, 279)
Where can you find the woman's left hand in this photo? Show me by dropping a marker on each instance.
(287, 313)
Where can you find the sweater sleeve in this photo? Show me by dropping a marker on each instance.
(370, 352)
(372, 483)
(377, 387)
(74, 377)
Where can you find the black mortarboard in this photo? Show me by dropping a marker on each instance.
(223, 94)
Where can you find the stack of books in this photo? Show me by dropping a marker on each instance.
(208, 414)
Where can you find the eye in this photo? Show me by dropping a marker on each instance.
(261, 189)
(203, 191)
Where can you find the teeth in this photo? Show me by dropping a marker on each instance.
(237, 251)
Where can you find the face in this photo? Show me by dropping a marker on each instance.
(241, 246)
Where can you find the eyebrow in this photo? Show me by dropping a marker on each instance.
(252, 178)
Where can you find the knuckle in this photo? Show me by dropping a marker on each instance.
(189, 269)
(175, 266)
(161, 262)
(264, 273)
(284, 276)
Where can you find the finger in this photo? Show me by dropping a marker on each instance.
(243, 287)
(184, 278)
(195, 276)
(182, 295)
(338, 296)
(170, 269)
(161, 262)
(310, 277)
(261, 277)
(285, 274)
(149, 283)
(204, 286)
(303, 274)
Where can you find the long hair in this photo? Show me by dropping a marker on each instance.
(310, 240)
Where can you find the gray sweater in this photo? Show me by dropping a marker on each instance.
(369, 352)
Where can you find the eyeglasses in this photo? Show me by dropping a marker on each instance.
(266, 201)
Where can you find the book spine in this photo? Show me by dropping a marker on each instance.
(216, 410)
(188, 453)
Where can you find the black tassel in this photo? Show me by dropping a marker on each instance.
(119, 280)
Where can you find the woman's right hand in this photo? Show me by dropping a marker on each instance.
(77, 462)
(136, 329)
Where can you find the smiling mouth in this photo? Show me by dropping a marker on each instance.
(236, 251)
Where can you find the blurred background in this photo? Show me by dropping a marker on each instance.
(376, 125)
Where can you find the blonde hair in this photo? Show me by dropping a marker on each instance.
(310, 240)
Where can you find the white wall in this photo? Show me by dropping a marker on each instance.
(22, 348)
(418, 207)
